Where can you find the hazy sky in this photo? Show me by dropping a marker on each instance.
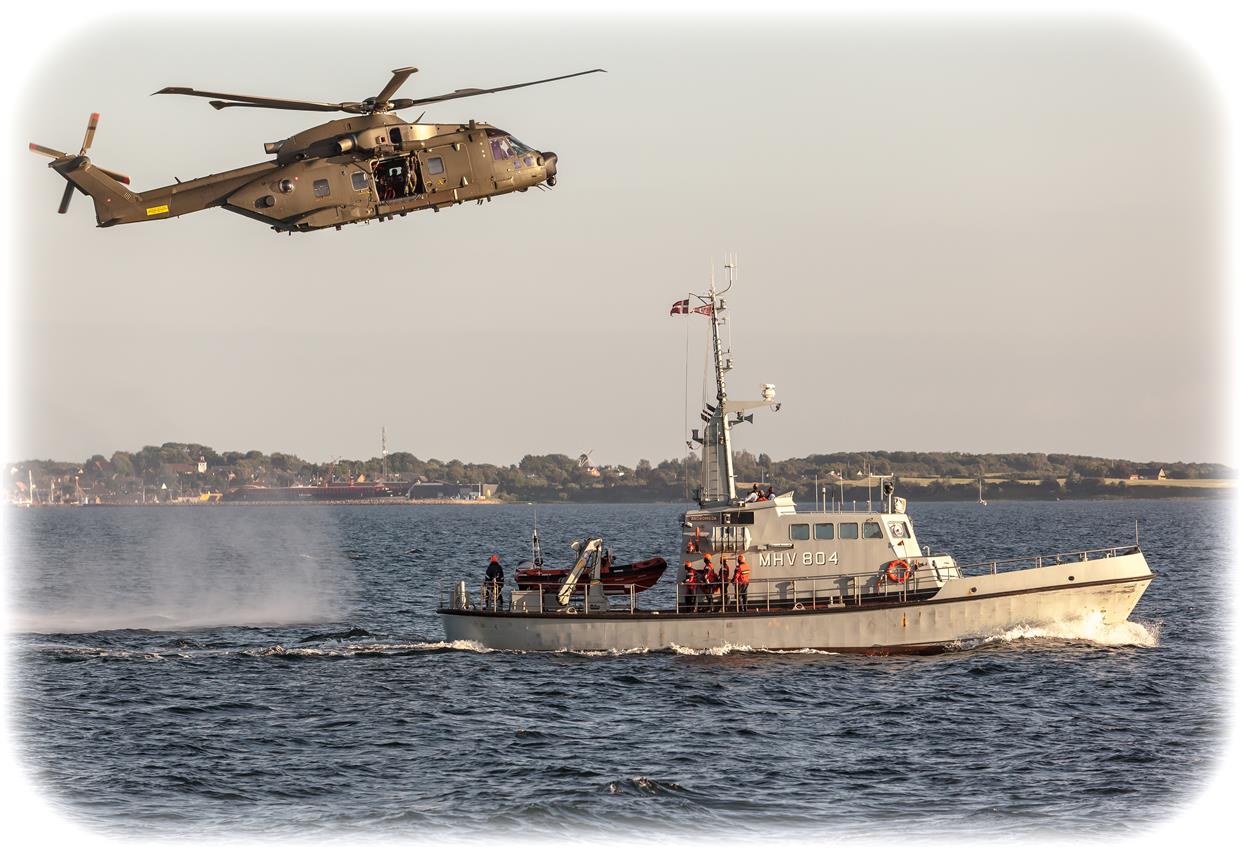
(953, 234)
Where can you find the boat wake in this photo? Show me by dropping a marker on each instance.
(190, 651)
(726, 650)
(1090, 628)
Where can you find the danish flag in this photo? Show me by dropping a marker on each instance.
(680, 307)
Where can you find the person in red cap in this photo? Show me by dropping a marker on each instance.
(494, 596)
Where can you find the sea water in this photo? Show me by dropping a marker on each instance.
(280, 671)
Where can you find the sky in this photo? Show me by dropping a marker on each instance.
(953, 234)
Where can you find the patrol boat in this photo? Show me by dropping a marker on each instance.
(832, 579)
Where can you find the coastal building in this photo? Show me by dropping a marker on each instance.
(440, 490)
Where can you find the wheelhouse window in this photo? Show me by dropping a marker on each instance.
(434, 165)
(360, 181)
(871, 530)
(322, 188)
(898, 529)
(848, 530)
(798, 532)
(824, 531)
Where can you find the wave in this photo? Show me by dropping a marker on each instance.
(78, 652)
(727, 648)
(271, 616)
(1088, 628)
(642, 785)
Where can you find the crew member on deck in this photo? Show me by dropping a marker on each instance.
(711, 578)
(691, 586)
(494, 596)
(753, 495)
(740, 579)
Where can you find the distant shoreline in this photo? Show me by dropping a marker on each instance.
(1141, 493)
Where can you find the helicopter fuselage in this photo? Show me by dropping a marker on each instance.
(359, 168)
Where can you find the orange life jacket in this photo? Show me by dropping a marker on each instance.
(712, 579)
(741, 575)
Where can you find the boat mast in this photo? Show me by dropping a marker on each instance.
(718, 474)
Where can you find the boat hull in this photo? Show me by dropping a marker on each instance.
(965, 608)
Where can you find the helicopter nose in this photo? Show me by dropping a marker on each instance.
(550, 161)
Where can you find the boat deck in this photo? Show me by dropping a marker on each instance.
(809, 595)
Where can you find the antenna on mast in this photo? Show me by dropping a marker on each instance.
(383, 451)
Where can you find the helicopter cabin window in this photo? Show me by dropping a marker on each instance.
(359, 180)
(871, 530)
(798, 532)
(849, 530)
(824, 531)
(322, 188)
(434, 165)
(394, 134)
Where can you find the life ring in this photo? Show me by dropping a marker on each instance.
(898, 571)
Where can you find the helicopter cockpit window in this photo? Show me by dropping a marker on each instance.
(322, 188)
(505, 147)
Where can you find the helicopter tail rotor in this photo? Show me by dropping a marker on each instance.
(68, 163)
(61, 158)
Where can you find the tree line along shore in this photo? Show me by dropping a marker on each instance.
(188, 472)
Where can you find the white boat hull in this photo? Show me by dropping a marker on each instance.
(965, 608)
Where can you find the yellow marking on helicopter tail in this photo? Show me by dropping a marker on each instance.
(157, 210)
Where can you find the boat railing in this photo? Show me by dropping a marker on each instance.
(814, 591)
(491, 597)
(997, 566)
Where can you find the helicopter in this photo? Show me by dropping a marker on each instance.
(371, 165)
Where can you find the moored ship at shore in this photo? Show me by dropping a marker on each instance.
(324, 492)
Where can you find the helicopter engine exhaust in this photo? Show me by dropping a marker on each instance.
(346, 143)
(273, 147)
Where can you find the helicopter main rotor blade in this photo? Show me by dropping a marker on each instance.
(247, 100)
(473, 92)
(398, 79)
(354, 108)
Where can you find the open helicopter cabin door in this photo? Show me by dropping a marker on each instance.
(396, 178)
